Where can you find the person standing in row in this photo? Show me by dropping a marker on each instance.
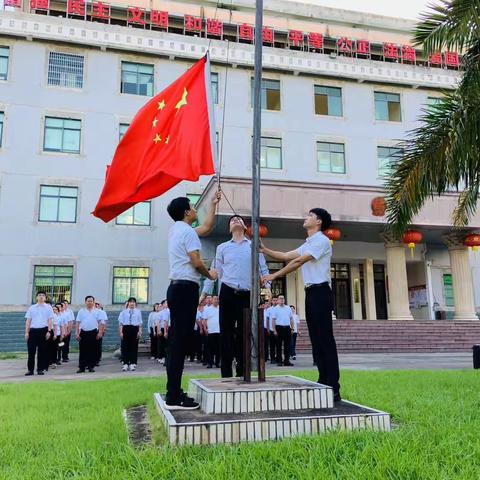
(102, 329)
(282, 320)
(38, 324)
(152, 331)
(266, 330)
(210, 316)
(55, 336)
(313, 257)
(130, 321)
(69, 318)
(233, 264)
(87, 335)
(296, 332)
(271, 332)
(59, 332)
(162, 327)
(186, 269)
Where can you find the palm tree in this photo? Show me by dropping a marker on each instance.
(444, 151)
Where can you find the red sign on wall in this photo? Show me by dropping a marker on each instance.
(43, 5)
(76, 7)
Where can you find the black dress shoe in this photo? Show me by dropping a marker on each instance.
(28, 374)
(41, 372)
(209, 366)
(337, 397)
(81, 370)
(289, 364)
(91, 370)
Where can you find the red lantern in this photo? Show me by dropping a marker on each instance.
(262, 231)
(333, 234)
(411, 238)
(472, 240)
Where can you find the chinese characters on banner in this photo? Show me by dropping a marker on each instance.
(98, 10)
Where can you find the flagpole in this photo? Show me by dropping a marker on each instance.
(255, 287)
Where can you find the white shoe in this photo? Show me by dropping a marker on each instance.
(163, 361)
(152, 358)
(125, 367)
(159, 360)
(132, 367)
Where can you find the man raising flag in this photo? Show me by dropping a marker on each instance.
(170, 139)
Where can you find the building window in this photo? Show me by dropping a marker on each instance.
(330, 157)
(4, 53)
(55, 281)
(65, 70)
(62, 135)
(58, 204)
(137, 79)
(271, 153)
(328, 101)
(387, 107)
(2, 116)
(433, 101)
(270, 94)
(214, 79)
(139, 214)
(130, 282)
(122, 129)
(386, 156)
(448, 290)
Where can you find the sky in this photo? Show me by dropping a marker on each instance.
(403, 8)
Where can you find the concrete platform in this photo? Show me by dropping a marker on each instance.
(263, 411)
(277, 393)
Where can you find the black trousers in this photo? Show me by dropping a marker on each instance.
(130, 344)
(66, 347)
(37, 345)
(88, 349)
(161, 344)
(153, 343)
(52, 345)
(318, 310)
(266, 339)
(99, 349)
(283, 339)
(183, 302)
(273, 346)
(213, 349)
(232, 305)
(293, 348)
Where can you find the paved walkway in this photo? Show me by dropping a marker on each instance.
(14, 370)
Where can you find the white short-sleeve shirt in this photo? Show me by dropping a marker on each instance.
(182, 240)
(102, 316)
(88, 319)
(210, 314)
(316, 270)
(57, 323)
(296, 323)
(39, 314)
(164, 318)
(130, 317)
(282, 315)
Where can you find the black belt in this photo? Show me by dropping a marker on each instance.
(308, 287)
(237, 291)
(184, 282)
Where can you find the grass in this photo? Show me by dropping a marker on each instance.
(75, 430)
(12, 355)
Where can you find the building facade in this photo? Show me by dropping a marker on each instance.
(339, 90)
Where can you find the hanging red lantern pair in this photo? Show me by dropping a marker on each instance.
(472, 240)
(412, 238)
(262, 231)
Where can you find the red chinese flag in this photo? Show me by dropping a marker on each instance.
(171, 139)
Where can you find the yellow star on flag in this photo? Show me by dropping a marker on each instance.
(154, 123)
(157, 138)
(161, 105)
(183, 101)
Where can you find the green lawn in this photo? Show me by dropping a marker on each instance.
(75, 430)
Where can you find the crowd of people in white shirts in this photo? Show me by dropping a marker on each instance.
(49, 329)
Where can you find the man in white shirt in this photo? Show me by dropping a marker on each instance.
(295, 333)
(271, 335)
(210, 315)
(38, 324)
(130, 331)
(87, 335)
(162, 329)
(102, 328)
(69, 318)
(186, 270)
(282, 321)
(266, 330)
(313, 257)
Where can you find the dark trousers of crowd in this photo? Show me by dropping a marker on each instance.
(293, 346)
(213, 349)
(66, 347)
(272, 340)
(232, 305)
(158, 343)
(283, 340)
(88, 347)
(197, 347)
(54, 351)
(130, 344)
(37, 346)
(182, 297)
(318, 312)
